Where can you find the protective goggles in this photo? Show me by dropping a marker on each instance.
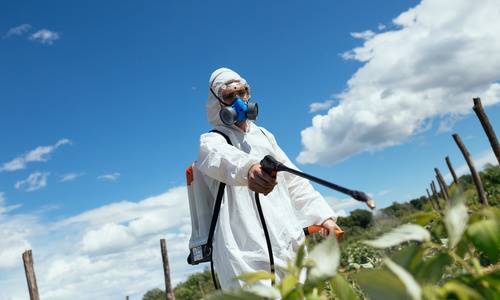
(232, 90)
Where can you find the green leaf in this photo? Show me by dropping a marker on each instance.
(403, 233)
(294, 294)
(463, 246)
(460, 291)
(288, 284)
(491, 213)
(433, 292)
(252, 277)
(412, 287)
(431, 270)
(485, 235)
(381, 285)
(301, 253)
(489, 285)
(325, 258)
(234, 295)
(409, 257)
(455, 220)
(265, 291)
(313, 295)
(421, 218)
(342, 289)
(438, 230)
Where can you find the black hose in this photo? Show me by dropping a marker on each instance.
(214, 279)
(266, 234)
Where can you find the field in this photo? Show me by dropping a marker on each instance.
(405, 251)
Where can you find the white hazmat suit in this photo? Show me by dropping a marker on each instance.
(239, 243)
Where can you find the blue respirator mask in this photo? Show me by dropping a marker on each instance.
(238, 112)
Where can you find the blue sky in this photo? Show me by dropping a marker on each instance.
(118, 90)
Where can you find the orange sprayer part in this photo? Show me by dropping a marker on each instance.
(339, 233)
(189, 175)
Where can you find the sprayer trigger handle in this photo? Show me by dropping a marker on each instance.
(270, 165)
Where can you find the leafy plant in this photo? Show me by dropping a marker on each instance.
(450, 257)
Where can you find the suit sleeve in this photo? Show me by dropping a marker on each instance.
(223, 162)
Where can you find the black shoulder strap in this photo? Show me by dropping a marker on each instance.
(223, 134)
(218, 200)
(215, 216)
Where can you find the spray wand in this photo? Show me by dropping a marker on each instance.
(272, 166)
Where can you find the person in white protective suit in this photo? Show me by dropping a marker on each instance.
(288, 202)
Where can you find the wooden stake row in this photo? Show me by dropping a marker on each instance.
(33, 288)
(490, 133)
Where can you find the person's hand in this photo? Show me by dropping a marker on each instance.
(330, 226)
(259, 181)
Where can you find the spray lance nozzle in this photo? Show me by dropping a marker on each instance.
(272, 166)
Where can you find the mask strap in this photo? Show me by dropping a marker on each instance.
(213, 93)
(221, 102)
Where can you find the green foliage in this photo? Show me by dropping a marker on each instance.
(419, 203)
(399, 210)
(421, 218)
(361, 218)
(419, 267)
(429, 264)
(356, 222)
(490, 177)
(357, 254)
(485, 236)
(195, 287)
(460, 261)
(465, 181)
(154, 294)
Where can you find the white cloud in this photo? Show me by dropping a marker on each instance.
(430, 66)
(45, 36)
(447, 122)
(41, 153)
(341, 213)
(317, 106)
(109, 177)
(109, 238)
(480, 161)
(35, 181)
(103, 253)
(5, 209)
(71, 176)
(13, 234)
(18, 30)
(381, 27)
(365, 35)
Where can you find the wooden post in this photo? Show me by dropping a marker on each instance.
(442, 190)
(442, 183)
(475, 176)
(452, 171)
(483, 118)
(435, 194)
(166, 271)
(430, 200)
(30, 275)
